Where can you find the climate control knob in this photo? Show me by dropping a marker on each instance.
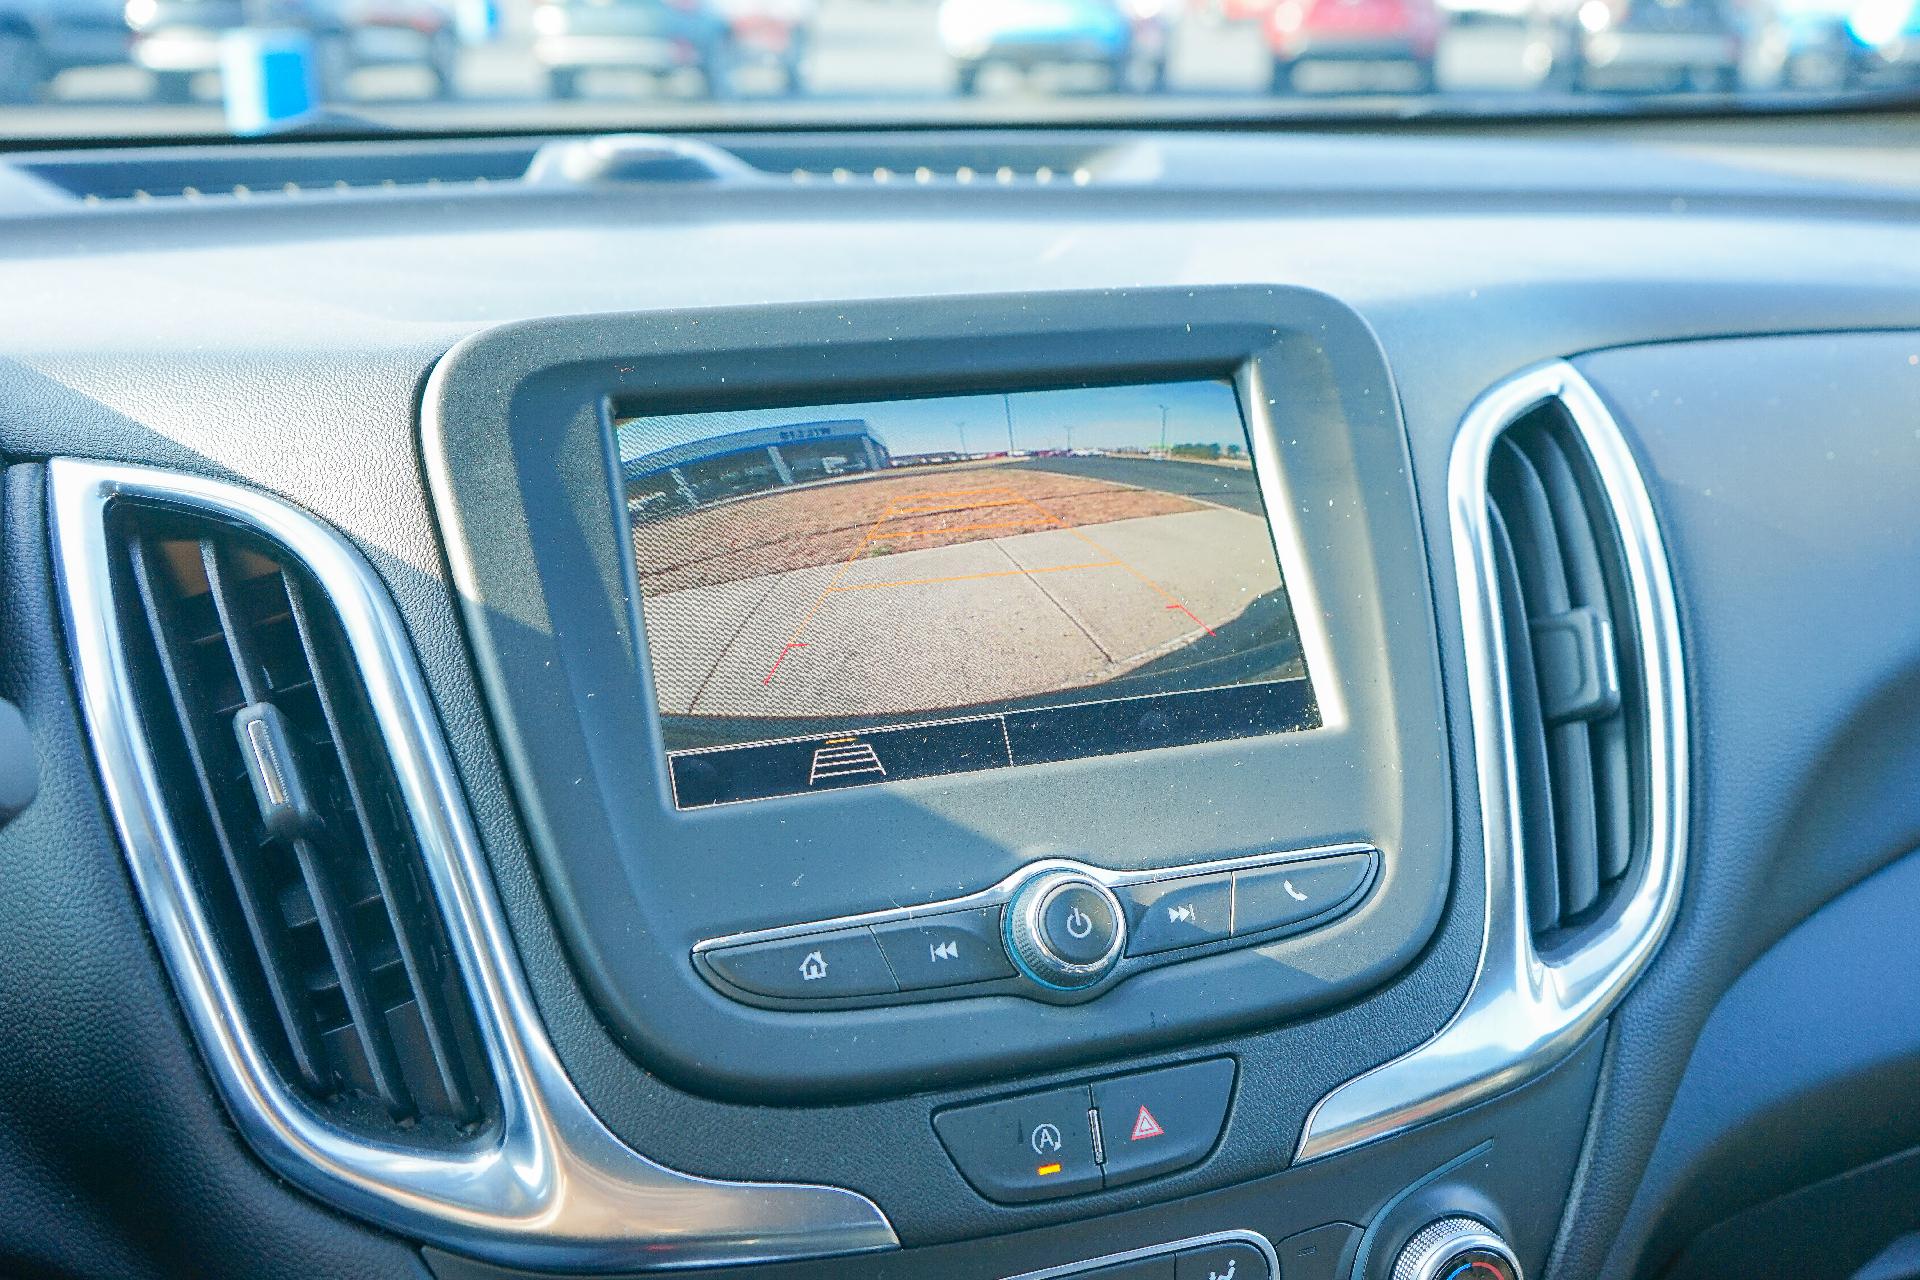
(1065, 929)
(1457, 1248)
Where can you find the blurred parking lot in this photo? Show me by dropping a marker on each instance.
(869, 52)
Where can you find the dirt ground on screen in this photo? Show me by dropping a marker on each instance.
(830, 523)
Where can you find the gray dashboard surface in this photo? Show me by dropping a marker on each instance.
(284, 342)
(1786, 470)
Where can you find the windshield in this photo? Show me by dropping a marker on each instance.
(85, 68)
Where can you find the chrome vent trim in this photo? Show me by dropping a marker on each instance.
(1525, 1012)
(547, 1186)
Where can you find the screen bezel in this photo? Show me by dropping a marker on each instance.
(1283, 539)
(515, 425)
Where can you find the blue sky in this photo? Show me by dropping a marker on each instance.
(1080, 418)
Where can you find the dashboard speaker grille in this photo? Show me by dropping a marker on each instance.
(1572, 662)
(293, 826)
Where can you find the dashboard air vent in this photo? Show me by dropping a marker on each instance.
(295, 828)
(292, 826)
(1571, 671)
(1576, 680)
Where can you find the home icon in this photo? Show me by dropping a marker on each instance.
(813, 968)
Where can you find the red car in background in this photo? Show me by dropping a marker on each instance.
(1369, 31)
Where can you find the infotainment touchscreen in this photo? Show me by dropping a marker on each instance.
(855, 594)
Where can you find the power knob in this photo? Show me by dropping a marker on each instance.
(1457, 1248)
(1065, 930)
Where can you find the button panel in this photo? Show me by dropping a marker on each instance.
(1224, 1255)
(964, 946)
(1042, 1146)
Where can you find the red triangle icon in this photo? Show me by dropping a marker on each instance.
(1145, 1126)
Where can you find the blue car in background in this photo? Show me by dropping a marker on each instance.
(1127, 39)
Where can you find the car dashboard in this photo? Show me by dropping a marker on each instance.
(546, 750)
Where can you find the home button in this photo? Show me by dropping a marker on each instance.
(842, 962)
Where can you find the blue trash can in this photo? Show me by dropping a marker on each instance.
(268, 78)
(476, 21)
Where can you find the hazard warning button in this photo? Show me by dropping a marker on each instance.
(1159, 1121)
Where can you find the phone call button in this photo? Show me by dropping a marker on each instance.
(1274, 897)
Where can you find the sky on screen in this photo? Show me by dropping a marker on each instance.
(1079, 418)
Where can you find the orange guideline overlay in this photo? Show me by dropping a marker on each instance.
(998, 496)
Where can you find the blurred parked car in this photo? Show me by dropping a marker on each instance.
(1370, 31)
(1889, 31)
(1664, 43)
(383, 33)
(771, 33)
(1127, 38)
(1806, 44)
(659, 37)
(41, 38)
(1503, 11)
(176, 40)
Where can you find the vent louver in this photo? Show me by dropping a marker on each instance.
(1572, 672)
(293, 827)
(1576, 685)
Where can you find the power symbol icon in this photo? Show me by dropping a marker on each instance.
(1063, 929)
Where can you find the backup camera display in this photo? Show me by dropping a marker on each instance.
(862, 593)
